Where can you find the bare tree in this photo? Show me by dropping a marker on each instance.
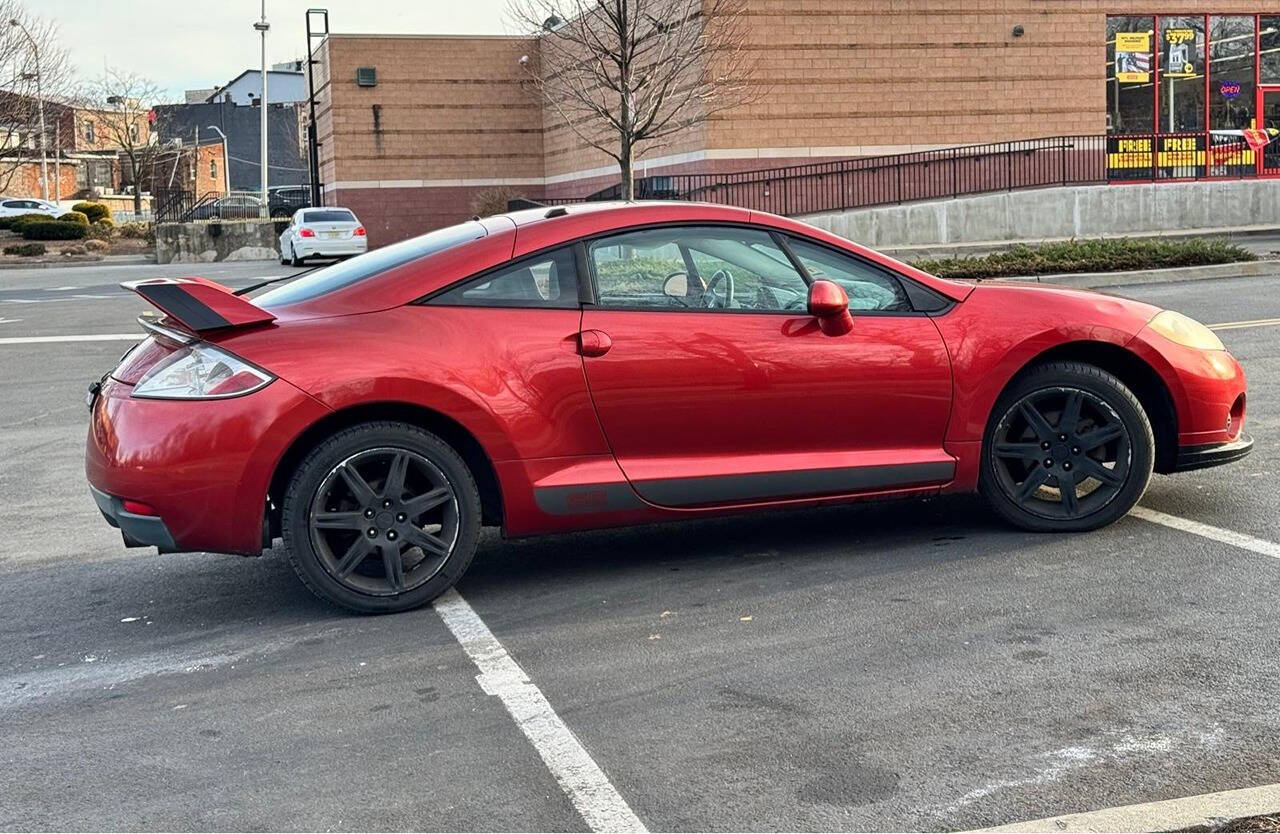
(122, 102)
(33, 69)
(627, 75)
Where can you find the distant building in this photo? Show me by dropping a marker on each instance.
(287, 163)
(198, 96)
(284, 86)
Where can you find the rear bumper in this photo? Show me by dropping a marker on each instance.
(205, 467)
(331, 248)
(1213, 454)
(136, 530)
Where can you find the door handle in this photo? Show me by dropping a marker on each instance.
(594, 343)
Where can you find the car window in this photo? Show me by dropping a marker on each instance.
(696, 268)
(345, 273)
(329, 216)
(13, 204)
(870, 288)
(548, 280)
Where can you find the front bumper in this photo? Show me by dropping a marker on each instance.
(136, 530)
(1213, 454)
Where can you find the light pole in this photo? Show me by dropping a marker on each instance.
(226, 161)
(44, 158)
(262, 26)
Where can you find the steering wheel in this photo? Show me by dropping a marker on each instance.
(709, 298)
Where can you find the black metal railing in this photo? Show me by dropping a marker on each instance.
(176, 205)
(882, 180)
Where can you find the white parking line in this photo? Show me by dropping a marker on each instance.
(590, 791)
(1192, 813)
(1208, 531)
(104, 337)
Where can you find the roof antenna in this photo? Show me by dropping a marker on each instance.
(558, 211)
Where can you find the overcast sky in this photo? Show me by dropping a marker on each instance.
(189, 45)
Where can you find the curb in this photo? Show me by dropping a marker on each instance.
(1101, 280)
(106, 260)
(1205, 812)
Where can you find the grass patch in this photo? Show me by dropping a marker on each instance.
(1105, 255)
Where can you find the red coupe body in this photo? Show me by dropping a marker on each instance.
(589, 413)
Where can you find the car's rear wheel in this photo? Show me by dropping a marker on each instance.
(1068, 448)
(294, 260)
(381, 517)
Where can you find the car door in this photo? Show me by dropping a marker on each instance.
(714, 386)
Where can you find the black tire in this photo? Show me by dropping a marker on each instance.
(294, 260)
(309, 547)
(1016, 445)
(283, 259)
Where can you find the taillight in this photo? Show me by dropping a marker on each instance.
(137, 508)
(200, 371)
(143, 357)
(303, 231)
(359, 232)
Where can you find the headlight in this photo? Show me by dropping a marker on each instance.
(200, 371)
(1185, 331)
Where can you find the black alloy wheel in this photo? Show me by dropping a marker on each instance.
(1071, 449)
(381, 517)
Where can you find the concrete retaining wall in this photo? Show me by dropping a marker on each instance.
(240, 240)
(1064, 212)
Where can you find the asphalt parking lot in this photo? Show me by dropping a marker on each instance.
(875, 667)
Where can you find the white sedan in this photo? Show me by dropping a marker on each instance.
(14, 206)
(329, 232)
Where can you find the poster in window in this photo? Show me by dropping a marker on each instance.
(1180, 53)
(1133, 57)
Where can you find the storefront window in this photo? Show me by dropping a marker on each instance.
(1269, 43)
(1130, 95)
(1231, 59)
(1181, 73)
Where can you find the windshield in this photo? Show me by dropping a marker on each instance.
(345, 273)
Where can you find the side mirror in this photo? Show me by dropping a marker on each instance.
(829, 304)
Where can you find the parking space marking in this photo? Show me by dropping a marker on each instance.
(1208, 531)
(586, 785)
(103, 337)
(1192, 813)
(1236, 325)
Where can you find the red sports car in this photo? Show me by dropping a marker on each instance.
(609, 364)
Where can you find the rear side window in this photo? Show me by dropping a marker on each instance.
(345, 273)
(548, 280)
(329, 216)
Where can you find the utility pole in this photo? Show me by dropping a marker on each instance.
(262, 26)
(44, 157)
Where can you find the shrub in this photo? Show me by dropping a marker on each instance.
(105, 222)
(75, 250)
(15, 223)
(53, 230)
(136, 230)
(1102, 255)
(75, 217)
(27, 250)
(94, 211)
(493, 201)
(96, 245)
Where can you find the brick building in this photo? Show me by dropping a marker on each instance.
(443, 119)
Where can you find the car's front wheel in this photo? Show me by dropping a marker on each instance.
(381, 517)
(1068, 448)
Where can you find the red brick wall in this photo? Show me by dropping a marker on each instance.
(26, 180)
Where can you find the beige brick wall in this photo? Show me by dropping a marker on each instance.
(444, 108)
(837, 78)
